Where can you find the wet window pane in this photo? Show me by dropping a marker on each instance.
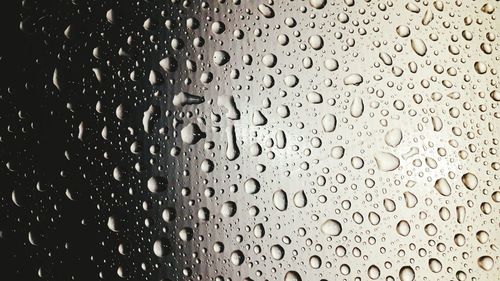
(250, 140)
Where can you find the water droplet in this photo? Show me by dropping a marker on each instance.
(419, 46)
(357, 107)
(486, 262)
(292, 276)
(318, 4)
(280, 200)
(470, 180)
(329, 122)
(386, 161)
(300, 199)
(316, 42)
(331, 227)
(221, 57)
(353, 79)
(266, 10)
(252, 186)
(406, 273)
(443, 187)
(393, 137)
(403, 228)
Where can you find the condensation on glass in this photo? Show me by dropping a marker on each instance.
(252, 140)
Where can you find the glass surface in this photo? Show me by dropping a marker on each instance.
(250, 140)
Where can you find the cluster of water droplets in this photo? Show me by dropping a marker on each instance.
(277, 140)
